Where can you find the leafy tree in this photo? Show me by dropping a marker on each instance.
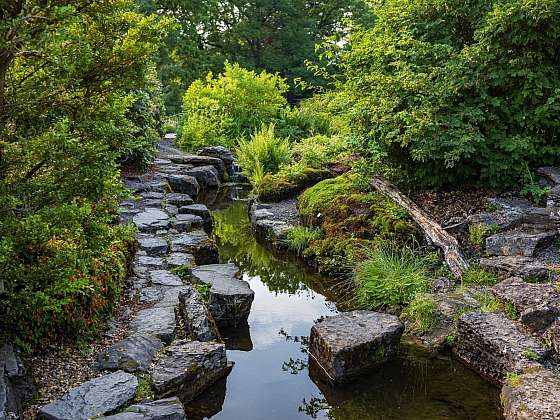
(72, 76)
(450, 91)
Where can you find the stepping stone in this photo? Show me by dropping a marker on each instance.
(533, 395)
(198, 244)
(93, 398)
(170, 296)
(153, 263)
(165, 278)
(154, 247)
(132, 354)
(207, 176)
(171, 210)
(178, 259)
(199, 324)
(199, 210)
(151, 294)
(501, 220)
(184, 184)
(186, 368)
(494, 345)
(166, 409)
(159, 322)
(222, 153)
(152, 202)
(154, 186)
(518, 243)
(538, 305)
(152, 195)
(518, 266)
(196, 160)
(151, 220)
(178, 199)
(229, 299)
(352, 343)
(187, 222)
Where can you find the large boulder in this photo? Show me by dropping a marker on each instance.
(131, 354)
(518, 242)
(184, 184)
(198, 244)
(494, 345)
(199, 210)
(186, 368)
(93, 398)
(159, 322)
(532, 395)
(222, 153)
(516, 265)
(352, 343)
(164, 278)
(230, 298)
(551, 173)
(153, 246)
(197, 320)
(166, 409)
(151, 220)
(178, 199)
(207, 176)
(538, 305)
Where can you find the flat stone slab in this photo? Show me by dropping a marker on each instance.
(198, 322)
(230, 298)
(159, 322)
(166, 409)
(178, 199)
(178, 259)
(151, 220)
(518, 243)
(551, 172)
(352, 343)
(186, 368)
(154, 246)
(152, 263)
(187, 222)
(131, 354)
(198, 244)
(199, 210)
(170, 296)
(165, 278)
(93, 398)
(494, 345)
(516, 265)
(538, 305)
(533, 395)
(184, 184)
(196, 160)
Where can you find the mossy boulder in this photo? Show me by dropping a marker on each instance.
(278, 187)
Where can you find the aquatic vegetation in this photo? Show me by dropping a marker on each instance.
(421, 314)
(299, 237)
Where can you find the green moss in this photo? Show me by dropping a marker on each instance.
(144, 390)
(510, 311)
(531, 355)
(203, 289)
(488, 303)
(299, 237)
(288, 183)
(476, 275)
(513, 379)
(421, 314)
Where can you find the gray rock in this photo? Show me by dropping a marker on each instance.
(552, 335)
(156, 185)
(153, 246)
(501, 220)
(152, 202)
(184, 184)
(187, 222)
(199, 210)
(131, 354)
(229, 299)
(98, 396)
(219, 152)
(151, 220)
(274, 231)
(165, 278)
(207, 176)
(179, 199)
(153, 263)
(16, 386)
(494, 345)
(198, 244)
(151, 294)
(151, 195)
(534, 395)
(178, 259)
(186, 368)
(171, 296)
(171, 210)
(538, 305)
(349, 344)
(539, 218)
(516, 265)
(518, 243)
(166, 409)
(199, 324)
(159, 322)
(516, 205)
(442, 285)
(552, 173)
(195, 160)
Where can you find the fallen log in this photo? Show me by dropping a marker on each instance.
(432, 230)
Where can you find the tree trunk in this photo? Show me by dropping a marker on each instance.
(433, 232)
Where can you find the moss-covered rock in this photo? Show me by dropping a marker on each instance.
(274, 188)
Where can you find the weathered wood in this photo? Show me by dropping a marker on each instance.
(434, 233)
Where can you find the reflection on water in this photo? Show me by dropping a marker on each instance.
(272, 378)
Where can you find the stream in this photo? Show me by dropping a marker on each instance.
(271, 379)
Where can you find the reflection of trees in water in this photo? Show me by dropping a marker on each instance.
(236, 242)
(294, 366)
(313, 406)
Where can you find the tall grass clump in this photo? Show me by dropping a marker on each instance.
(262, 154)
(389, 277)
(299, 237)
(421, 314)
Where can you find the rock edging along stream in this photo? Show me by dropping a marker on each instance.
(516, 354)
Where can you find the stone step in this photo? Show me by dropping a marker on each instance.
(196, 243)
(196, 160)
(152, 245)
(178, 199)
(159, 322)
(230, 299)
(207, 176)
(199, 210)
(187, 222)
(166, 409)
(93, 398)
(494, 345)
(184, 184)
(151, 220)
(164, 278)
(179, 259)
(518, 243)
(199, 323)
(538, 305)
(131, 354)
(352, 343)
(186, 368)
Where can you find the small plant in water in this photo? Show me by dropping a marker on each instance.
(299, 237)
(421, 314)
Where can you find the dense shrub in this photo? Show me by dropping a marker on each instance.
(452, 91)
(220, 110)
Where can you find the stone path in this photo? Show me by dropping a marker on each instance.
(174, 338)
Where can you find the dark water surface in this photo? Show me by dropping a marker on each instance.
(271, 379)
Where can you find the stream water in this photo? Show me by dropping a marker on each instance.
(271, 379)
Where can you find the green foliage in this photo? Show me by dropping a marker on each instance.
(299, 237)
(390, 277)
(487, 301)
(478, 232)
(77, 93)
(220, 110)
(320, 196)
(204, 290)
(144, 391)
(513, 379)
(476, 275)
(532, 189)
(289, 181)
(531, 355)
(451, 92)
(511, 312)
(421, 314)
(262, 154)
